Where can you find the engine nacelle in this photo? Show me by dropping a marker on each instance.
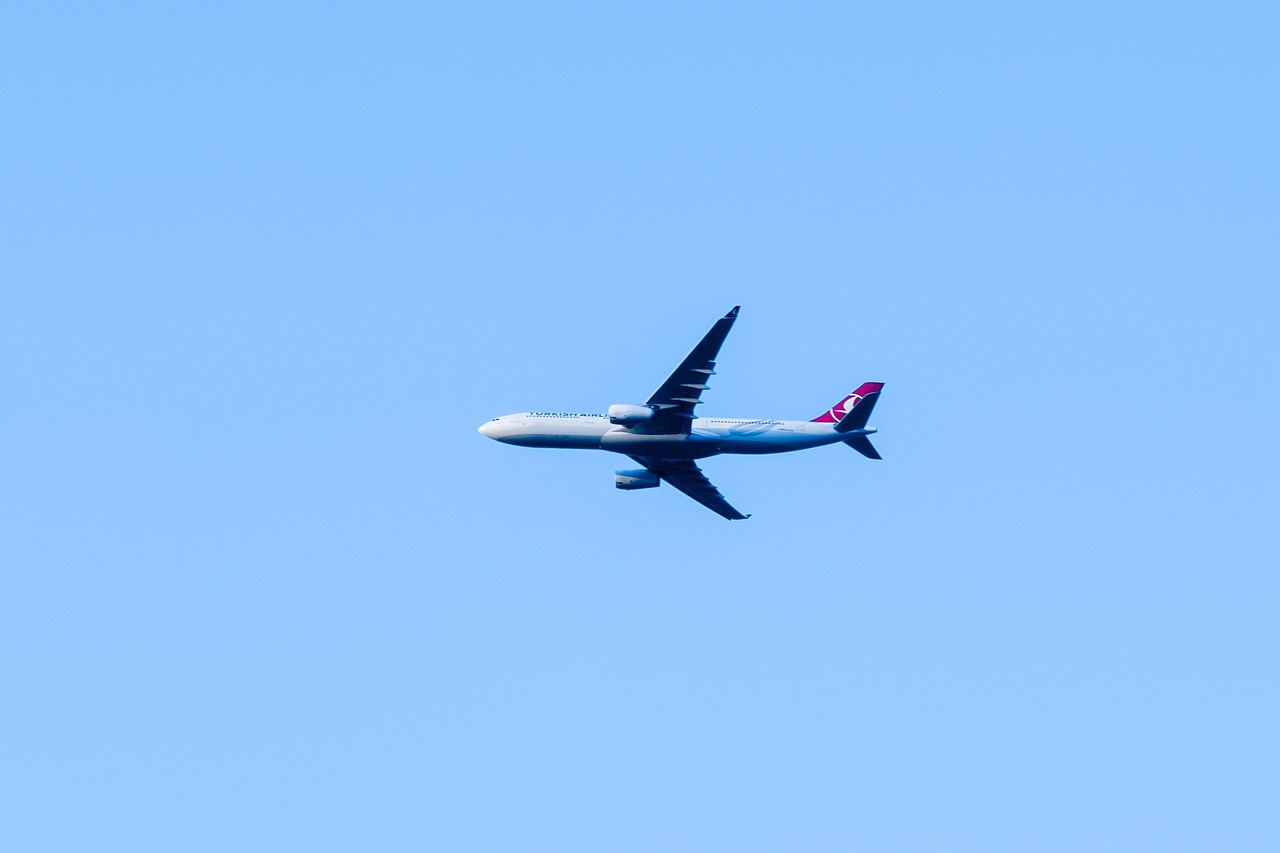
(638, 478)
(624, 414)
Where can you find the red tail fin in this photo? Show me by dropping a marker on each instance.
(839, 410)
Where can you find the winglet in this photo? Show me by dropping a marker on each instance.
(733, 313)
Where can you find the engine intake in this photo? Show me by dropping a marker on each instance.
(639, 478)
(624, 414)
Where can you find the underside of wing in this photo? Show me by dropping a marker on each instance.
(688, 478)
(674, 401)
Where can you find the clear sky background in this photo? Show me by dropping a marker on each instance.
(266, 267)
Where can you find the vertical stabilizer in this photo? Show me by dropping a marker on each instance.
(837, 413)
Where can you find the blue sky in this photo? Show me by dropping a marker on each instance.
(266, 268)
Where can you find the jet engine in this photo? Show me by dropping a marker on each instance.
(624, 414)
(638, 478)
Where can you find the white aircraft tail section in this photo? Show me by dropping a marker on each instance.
(851, 414)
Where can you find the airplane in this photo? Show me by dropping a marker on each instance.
(664, 436)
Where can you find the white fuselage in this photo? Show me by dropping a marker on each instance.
(708, 437)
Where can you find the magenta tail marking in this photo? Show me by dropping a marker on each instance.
(839, 410)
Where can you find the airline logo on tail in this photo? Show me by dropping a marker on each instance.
(834, 414)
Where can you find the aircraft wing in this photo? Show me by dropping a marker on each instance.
(688, 478)
(675, 399)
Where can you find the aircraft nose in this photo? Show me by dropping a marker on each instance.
(489, 429)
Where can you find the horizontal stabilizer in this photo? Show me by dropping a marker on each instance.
(863, 445)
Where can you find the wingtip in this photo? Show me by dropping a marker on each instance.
(733, 313)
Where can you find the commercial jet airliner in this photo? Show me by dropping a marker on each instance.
(664, 436)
